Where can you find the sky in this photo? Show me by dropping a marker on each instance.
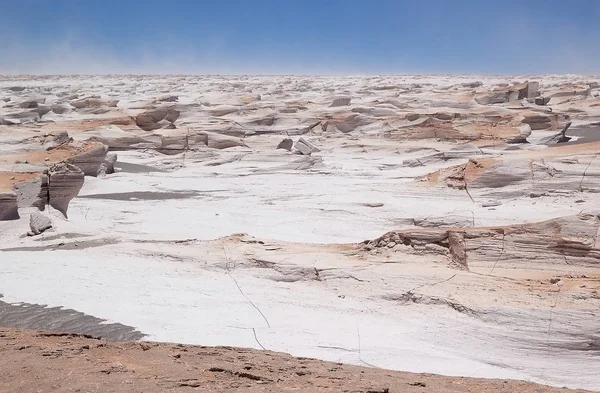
(330, 37)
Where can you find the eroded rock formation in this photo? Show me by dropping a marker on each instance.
(573, 240)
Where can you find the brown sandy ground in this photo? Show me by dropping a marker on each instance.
(34, 361)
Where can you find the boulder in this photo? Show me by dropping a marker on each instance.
(41, 110)
(340, 101)
(9, 210)
(286, 144)
(347, 122)
(60, 139)
(472, 85)
(38, 223)
(168, 98)
(498, 97)
(59, 109)
(150, 120)
(561, 137)
(90, 159)
(218, 141)
(33, 192)
(22, 117)
(539, 121)
(172, 115)
(542, 101)
(65, 181)
(108, 166)
(28, 104)
(93, 102)
(305, 147)
(223, 110)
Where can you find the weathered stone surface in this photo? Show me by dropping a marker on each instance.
(341, 101)
(305, 147)
(59, 109)
(492, 98)
(542, 101)
(151, 120)
(33, 192)
(108, 166)
(93, 102)
(286, 144)
(574, 238)
(65, 181)
(9, 210)
(218, 141)
(60, 139)
(172, 115)
(90, 159)
(223, 110)
(346, 122)
(38, 223)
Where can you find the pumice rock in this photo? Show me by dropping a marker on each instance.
(64, 182)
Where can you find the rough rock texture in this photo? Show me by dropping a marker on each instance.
(151, 120)
(60, 139)
(9, 209)
(93, 102)
(286, 144)
(519, 91)
(108, 166)
(574, 240)
(90, 159)
(65, 181)
(341, 101)
(39, 223)
(459, 178)
(33, 192)
(305, 147)
(218, 141)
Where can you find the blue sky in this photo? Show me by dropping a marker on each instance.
(301, 37)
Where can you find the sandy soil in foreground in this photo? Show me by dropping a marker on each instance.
(57, 362)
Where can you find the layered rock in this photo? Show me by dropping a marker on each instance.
(93, 102)
(573, 240)
(305, 147)
(9, 209)
(519, 91)
(90, 159)
(341, 101)
(510, 178)
(157, 118)
(65, 181)
(32, 190)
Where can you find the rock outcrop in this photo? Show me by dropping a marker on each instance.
(93, 102)
(519, 91)
(157, 118)
(108, 166)
(9, 209)
(286, 144)
(90, 159)
(573, 240)
(65, 181)
(32, 191)
(305, 147)
(341, 101)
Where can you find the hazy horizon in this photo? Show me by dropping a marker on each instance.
(310, 37)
